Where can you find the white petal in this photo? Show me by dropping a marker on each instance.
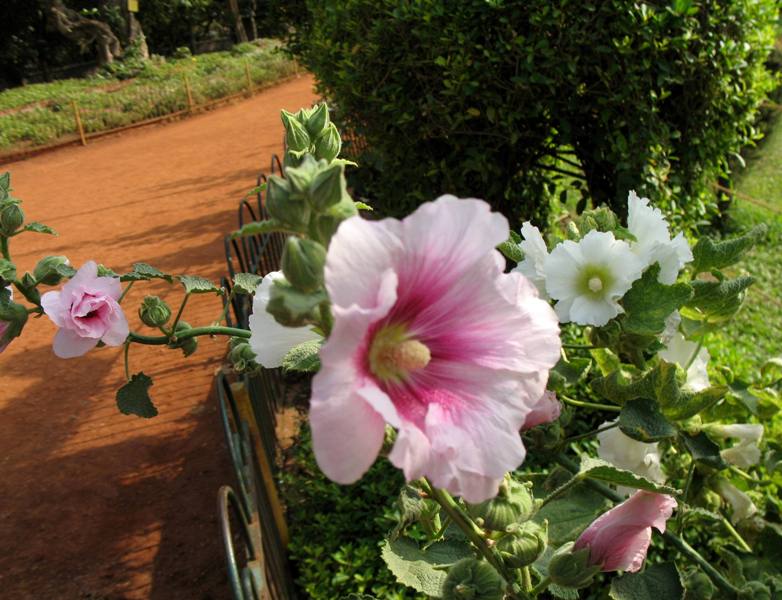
(68, 344)
(742, 455)
(588, 311)
(646, 223)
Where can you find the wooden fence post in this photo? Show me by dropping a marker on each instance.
(79, 125)
(189, 92)
(249, 79)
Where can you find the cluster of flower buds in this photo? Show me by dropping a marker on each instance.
(242, 357)
(310, 131)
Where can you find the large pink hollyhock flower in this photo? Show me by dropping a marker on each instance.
(86, 311)
(545, 410)
(431, 337)
(619, 539)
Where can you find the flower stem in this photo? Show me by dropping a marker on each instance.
(224, 312)
(718, 578)
(576, 479)
(162, 340)
(526, 579)
(581, 436)
(736, 535)
(125, 292)
(127, 365)
(542, 585)
(579, 347)
(694, 354)
(179, 314)
(592, 405)
(4, 247)
(471, 530)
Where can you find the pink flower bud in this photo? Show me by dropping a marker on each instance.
(86, 311)
(619, 539)
(546, 410)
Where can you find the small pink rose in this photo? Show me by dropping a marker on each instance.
(546, 410)
(86, 311)
(619, 539)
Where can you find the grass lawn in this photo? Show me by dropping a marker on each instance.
(754, 335)
(42, 113)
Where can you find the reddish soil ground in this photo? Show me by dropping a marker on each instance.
(95, 504)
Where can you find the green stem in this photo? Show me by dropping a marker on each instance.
(682, 546)
(694, 353)
(685, 494)
(4, 248)
(326, 318)
(541, 587)
(736, 535)
(35, 309)
(178, 315)
(581, 436)
(526, 579)
(576, 479)
(125, 292)
(579, 347)
(471, 530)
(127, 365)
(224, 312)
(592, 405)
(189, 333)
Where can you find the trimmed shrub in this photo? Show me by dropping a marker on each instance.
(509, 100)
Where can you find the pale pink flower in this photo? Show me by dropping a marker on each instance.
(619, 539)
(87, 312)
(431, 337)
(545, 410)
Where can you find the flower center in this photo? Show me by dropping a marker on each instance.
(393, 354)
(595, 284)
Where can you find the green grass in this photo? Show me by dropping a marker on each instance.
(754, 334)
(41, 114)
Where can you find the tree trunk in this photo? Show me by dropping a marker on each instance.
(241, 34)
(85, 32)
(134, 32)
(253, 24)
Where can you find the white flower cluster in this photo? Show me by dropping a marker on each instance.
(589, 277)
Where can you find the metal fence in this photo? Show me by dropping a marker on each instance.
(252, 517)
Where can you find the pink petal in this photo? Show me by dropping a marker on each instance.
(68, 344)
(118, 329)
(52, 306)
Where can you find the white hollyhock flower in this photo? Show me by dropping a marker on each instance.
(654, 243)
(747, 452)
(268, 339)
(741, 504)
(631, 455)
(681, 351)
(589, 277)
(672, 323)
(533, 267)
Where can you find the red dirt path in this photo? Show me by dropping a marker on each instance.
(95, 504)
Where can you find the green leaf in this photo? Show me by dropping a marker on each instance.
(303, 358)
(656, 582)
(260, 227)
(412, 505)
(422, 569)
(133, 397)
(293, 308)
(708, 255)
(688, 404)
(37, 227)
(362, 206)
(704, 450)
(143, 271)
(104, 271)
(595, 468)
(7, 270)
(66, 270)
(716, 301)
(569, 514)
(641, 420)
(649, 303)
(195, 284)
(606, 360)
(246, 283)
(511, 250)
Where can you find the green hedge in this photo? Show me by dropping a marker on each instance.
(496, 99)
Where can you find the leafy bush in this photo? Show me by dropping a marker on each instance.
(498, 99)
(336, 530)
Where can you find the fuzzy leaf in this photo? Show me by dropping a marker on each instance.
(143, 271)
(259, 228)
(195, 284)
(133, 397)
(246, 283)
(649, 303)
(704, 450)
(511, 250)
(417, 568)
(716, 301)
(37, 227)
(303, 357)
(641, 420)
(709, 255)
(595, 468)
(656, 582)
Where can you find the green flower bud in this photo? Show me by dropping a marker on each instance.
(154, 312)
(301, 115)
(296, 134)
(13, 317)
(189, 345)
(7, 272)
(325, 225)
(328, 187)
(11, 218)
(328, 144)
(242, 356)
(317, 121)
(302, 263)
(513, 504)
(472, 579)
(300, 177)
(571, 569)
(294, 308)
(283, 206)
(523, 545)
(47, 272)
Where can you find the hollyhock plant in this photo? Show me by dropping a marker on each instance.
(626, 453)
(269, 340)
(533, 267)
(431, 337)
(619, 539)
(684, 352)
(589, 277)
(87, 312)
(653, 241)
